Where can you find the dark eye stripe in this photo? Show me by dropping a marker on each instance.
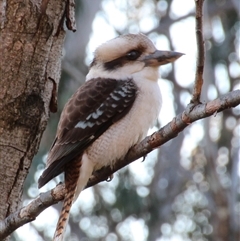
(129, 56)
(119, 62)
(114, 64)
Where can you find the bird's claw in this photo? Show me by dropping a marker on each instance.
(144, 157)
(109, 179)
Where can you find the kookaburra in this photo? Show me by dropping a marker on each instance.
(111, 112)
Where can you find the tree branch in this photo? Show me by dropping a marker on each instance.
(168, 132)
(200, 56)
(31, 211)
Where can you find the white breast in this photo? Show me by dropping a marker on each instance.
(113, 144)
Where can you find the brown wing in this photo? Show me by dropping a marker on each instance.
(88, 114)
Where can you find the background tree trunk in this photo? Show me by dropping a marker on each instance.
(31, 38)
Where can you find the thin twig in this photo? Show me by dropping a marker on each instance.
(200, 56)
(168, 132)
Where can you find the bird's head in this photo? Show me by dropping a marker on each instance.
(126, 55)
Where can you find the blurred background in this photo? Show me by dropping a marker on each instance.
(188, 189)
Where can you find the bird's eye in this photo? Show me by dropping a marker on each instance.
(133, 55)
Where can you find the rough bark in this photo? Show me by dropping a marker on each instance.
(31, 39)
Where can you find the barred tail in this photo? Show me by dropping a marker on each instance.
(72, 173)
(77, 174)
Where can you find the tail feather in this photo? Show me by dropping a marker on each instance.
(71, 180)
(77, 174)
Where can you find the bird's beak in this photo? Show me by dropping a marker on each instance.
(161, 57)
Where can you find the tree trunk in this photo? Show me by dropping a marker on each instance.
(31, 36)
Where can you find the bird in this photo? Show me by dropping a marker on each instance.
(110, 113)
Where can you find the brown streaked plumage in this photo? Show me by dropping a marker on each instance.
(107, 115)
(70, 142)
